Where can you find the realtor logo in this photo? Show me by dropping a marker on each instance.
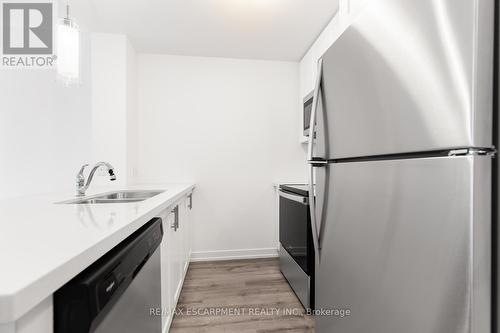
(27, 34)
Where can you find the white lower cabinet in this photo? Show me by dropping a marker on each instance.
(175, 251)
(185, 227)
(175, 256)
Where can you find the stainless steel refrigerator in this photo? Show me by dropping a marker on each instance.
(402, 165)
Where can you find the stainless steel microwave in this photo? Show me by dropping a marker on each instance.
(307, 110)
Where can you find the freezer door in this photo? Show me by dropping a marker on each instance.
(405, 247)
(410, 76)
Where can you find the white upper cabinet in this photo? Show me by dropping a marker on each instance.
(308, 65)
(355, 7)
(348, 10)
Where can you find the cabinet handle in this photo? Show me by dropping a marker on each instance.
(190, 206)
(175, 225)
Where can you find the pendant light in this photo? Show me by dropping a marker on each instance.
(68, 50)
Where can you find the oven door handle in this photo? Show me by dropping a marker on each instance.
(296, 198)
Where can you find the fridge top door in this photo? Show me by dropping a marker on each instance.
(410, 76)
(405, 246)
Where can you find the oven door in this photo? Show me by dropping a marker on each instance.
(295, 231)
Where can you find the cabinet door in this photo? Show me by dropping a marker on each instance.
(307, 75)
(355, 7)
(167, 299)
(185, 228)
(190, 227)
(176, 251)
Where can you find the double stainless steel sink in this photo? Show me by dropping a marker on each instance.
(115, 197)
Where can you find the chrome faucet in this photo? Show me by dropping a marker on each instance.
(81, 186)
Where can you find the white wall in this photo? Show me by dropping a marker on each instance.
(231, 127)
(131, 98)
(45, 129)
(48, 130)
(114, 102)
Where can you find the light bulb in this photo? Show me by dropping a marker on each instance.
(68, 51)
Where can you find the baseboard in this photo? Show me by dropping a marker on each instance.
(234, 254)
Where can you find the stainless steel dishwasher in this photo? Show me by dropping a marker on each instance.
(116, 293)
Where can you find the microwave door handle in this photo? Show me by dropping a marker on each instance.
(306, 116)
(310, 152)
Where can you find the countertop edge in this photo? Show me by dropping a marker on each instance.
(14, 306)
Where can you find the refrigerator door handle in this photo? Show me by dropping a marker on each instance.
(314, 161)
(312, 212)
(318, 162)
(314, 111)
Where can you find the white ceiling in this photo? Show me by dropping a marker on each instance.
(253, 29)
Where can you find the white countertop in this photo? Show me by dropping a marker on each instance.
(43, 245)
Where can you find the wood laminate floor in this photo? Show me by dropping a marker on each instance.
(239, 296)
